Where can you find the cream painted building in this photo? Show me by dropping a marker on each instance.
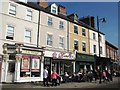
(18, 42)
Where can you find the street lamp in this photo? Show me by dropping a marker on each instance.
(98, 20)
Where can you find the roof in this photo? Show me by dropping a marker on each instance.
(34, 5)
(108, 43)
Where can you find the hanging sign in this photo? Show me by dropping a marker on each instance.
(25, 66)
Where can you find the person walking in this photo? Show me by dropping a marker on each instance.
(45, 77)
(54, 76)
(104, 75)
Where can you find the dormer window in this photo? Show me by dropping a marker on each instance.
(54, 9)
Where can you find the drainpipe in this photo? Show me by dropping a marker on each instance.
(38, 29)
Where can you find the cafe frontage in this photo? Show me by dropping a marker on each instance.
(60, 61)
(22, 63)
(85, 62)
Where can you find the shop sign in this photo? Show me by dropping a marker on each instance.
(84, 57)
(31, 52)
(35, 64)
(62, 55)
(25, 66)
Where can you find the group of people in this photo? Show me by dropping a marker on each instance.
(54, 77)
(105, 75)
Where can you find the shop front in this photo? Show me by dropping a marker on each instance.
(84, 62)
(23, 64)
(60, 61)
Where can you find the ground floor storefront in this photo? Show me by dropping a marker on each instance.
(60, 61)
(85, 62)
(21, 64)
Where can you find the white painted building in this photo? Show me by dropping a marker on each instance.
(18, 42)
(94, 46)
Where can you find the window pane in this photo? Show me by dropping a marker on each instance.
(83, 32)
(50, 21)
(76, 29)
(61, 42)
(10, 31)
(84, 47)
(49, 40)
(12, 9)
(29, 15)
(27, 36)
(76, 45)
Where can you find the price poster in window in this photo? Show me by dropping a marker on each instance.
(35, 64)
(25, 66)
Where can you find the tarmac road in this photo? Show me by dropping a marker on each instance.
(65, 86)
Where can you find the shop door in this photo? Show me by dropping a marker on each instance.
(11, 71)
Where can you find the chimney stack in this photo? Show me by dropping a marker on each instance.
(62, 10)
(89, 20)
(43, 3)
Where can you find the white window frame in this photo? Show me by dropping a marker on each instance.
(94, 48)
(83, 47)
(83, 33)
(75, 31)
(28, 36)
(77, 45)
(29, 14)
(50, 21)
(10, 32)
(94, 36)
(61, 25)
(12, 11)
(54, 9)
(61, 44)
(101, 50)
(50, 41)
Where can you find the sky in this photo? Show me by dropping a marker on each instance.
(107, 10)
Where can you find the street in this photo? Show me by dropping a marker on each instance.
(31, 86)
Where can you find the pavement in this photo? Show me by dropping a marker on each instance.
(93, 84)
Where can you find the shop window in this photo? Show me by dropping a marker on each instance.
(30, 66)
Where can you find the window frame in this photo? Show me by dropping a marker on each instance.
(94, 48)
(76, 46)
(61, 43)
(83, 33)
(75, 29)
(50, 21)
(61, 25)
(11, 37)
(101, 50)
(94, 36)
(11, 11)
(51, 40)
(84, 47)
(26, 36)
(28, 16)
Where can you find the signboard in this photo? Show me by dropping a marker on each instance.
(35, 64)
(60, 55)
(25, 66)
(31, 52)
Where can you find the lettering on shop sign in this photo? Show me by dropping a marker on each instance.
(31, 52)
(62, 55)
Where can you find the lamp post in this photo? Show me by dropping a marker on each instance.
(98, 20)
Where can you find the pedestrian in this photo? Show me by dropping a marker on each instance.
(104, 75)
(54, 76)
(95, 75)
(45, 77)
